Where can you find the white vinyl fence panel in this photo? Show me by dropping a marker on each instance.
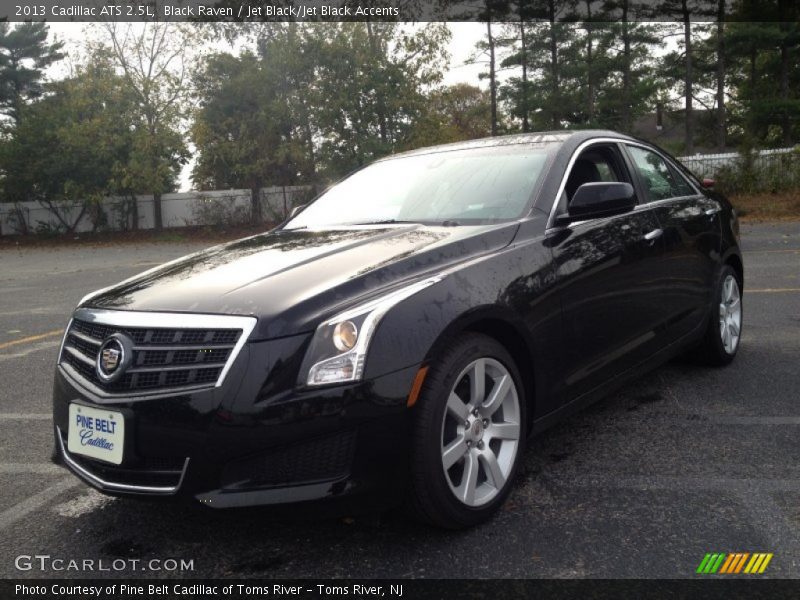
(708, 165)
(220, 207)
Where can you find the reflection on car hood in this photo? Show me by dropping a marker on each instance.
(290, 279)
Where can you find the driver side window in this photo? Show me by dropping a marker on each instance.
(594, 165)
(598, 163)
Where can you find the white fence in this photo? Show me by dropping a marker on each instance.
(708, 165)
(177, 210)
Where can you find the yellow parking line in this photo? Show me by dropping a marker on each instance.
(771, 290)
(32, 338)
(784, 251)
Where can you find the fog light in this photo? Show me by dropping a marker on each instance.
(345, 335)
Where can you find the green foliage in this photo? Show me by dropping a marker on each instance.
(152, 60)
(747, 175)
(593, 73)
(369, 88)
(313, 103)
(765, 74)
(24, 55)
(453, 114)
(251, 126)
(72, 145)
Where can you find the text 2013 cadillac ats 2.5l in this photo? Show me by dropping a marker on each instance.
(400, 338)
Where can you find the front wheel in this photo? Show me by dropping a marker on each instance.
(724, 332)
(469, 434)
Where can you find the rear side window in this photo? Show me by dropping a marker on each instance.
(659, 180)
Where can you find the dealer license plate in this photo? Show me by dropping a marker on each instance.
(97, 433)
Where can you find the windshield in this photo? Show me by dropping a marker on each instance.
(454, 187)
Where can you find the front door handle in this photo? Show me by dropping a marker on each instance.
(653, 235)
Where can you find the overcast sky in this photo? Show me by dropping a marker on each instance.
(462, 45)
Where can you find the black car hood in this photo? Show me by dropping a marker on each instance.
(290, 279)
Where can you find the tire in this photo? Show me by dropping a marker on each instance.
(448, 497)
(717, 348)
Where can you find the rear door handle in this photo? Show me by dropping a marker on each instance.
(653, 235)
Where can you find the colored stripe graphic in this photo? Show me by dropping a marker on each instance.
(727, 564)
(717, 563)
(734, 563)
(740, 564)
(764, 564)
(703, 563)
(730, 564)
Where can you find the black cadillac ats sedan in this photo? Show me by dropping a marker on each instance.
(400, 338)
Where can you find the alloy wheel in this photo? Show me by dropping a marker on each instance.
(730, 314)
(480, 432)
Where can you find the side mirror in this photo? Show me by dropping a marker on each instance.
(601, 199)
(296, 209)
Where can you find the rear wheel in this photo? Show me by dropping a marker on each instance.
(468, 434)
(724, 331)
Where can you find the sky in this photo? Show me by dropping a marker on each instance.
(461, 47)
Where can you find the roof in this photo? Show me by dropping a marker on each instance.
(541, 137)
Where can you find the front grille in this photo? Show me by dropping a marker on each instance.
(163, 358)
(327, 458)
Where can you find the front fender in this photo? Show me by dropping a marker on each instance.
(511, 290)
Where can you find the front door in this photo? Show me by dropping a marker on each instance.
(604, 270)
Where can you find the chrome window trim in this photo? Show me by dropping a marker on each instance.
(606, 140)
(87, 475)
(152, 320)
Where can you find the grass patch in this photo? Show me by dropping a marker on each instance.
(778, 206)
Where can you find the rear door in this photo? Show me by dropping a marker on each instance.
(692, 237)
(604, 270)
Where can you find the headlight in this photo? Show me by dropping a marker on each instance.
(339, 349)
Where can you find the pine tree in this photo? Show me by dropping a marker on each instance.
(24, 55)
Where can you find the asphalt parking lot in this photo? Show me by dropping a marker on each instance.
(683, 462)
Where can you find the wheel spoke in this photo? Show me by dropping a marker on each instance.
(454, 451)
(726, 337)
(728, 289)
(503, 431)
(478, 383)
(492, 468)
(456, 407)
(469, 480)
(734, 328)
(497, 396)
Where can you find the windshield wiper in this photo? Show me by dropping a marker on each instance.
(381, 222)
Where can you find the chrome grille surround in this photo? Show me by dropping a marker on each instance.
(173, 352)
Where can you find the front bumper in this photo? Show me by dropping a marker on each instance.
(255, 440)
